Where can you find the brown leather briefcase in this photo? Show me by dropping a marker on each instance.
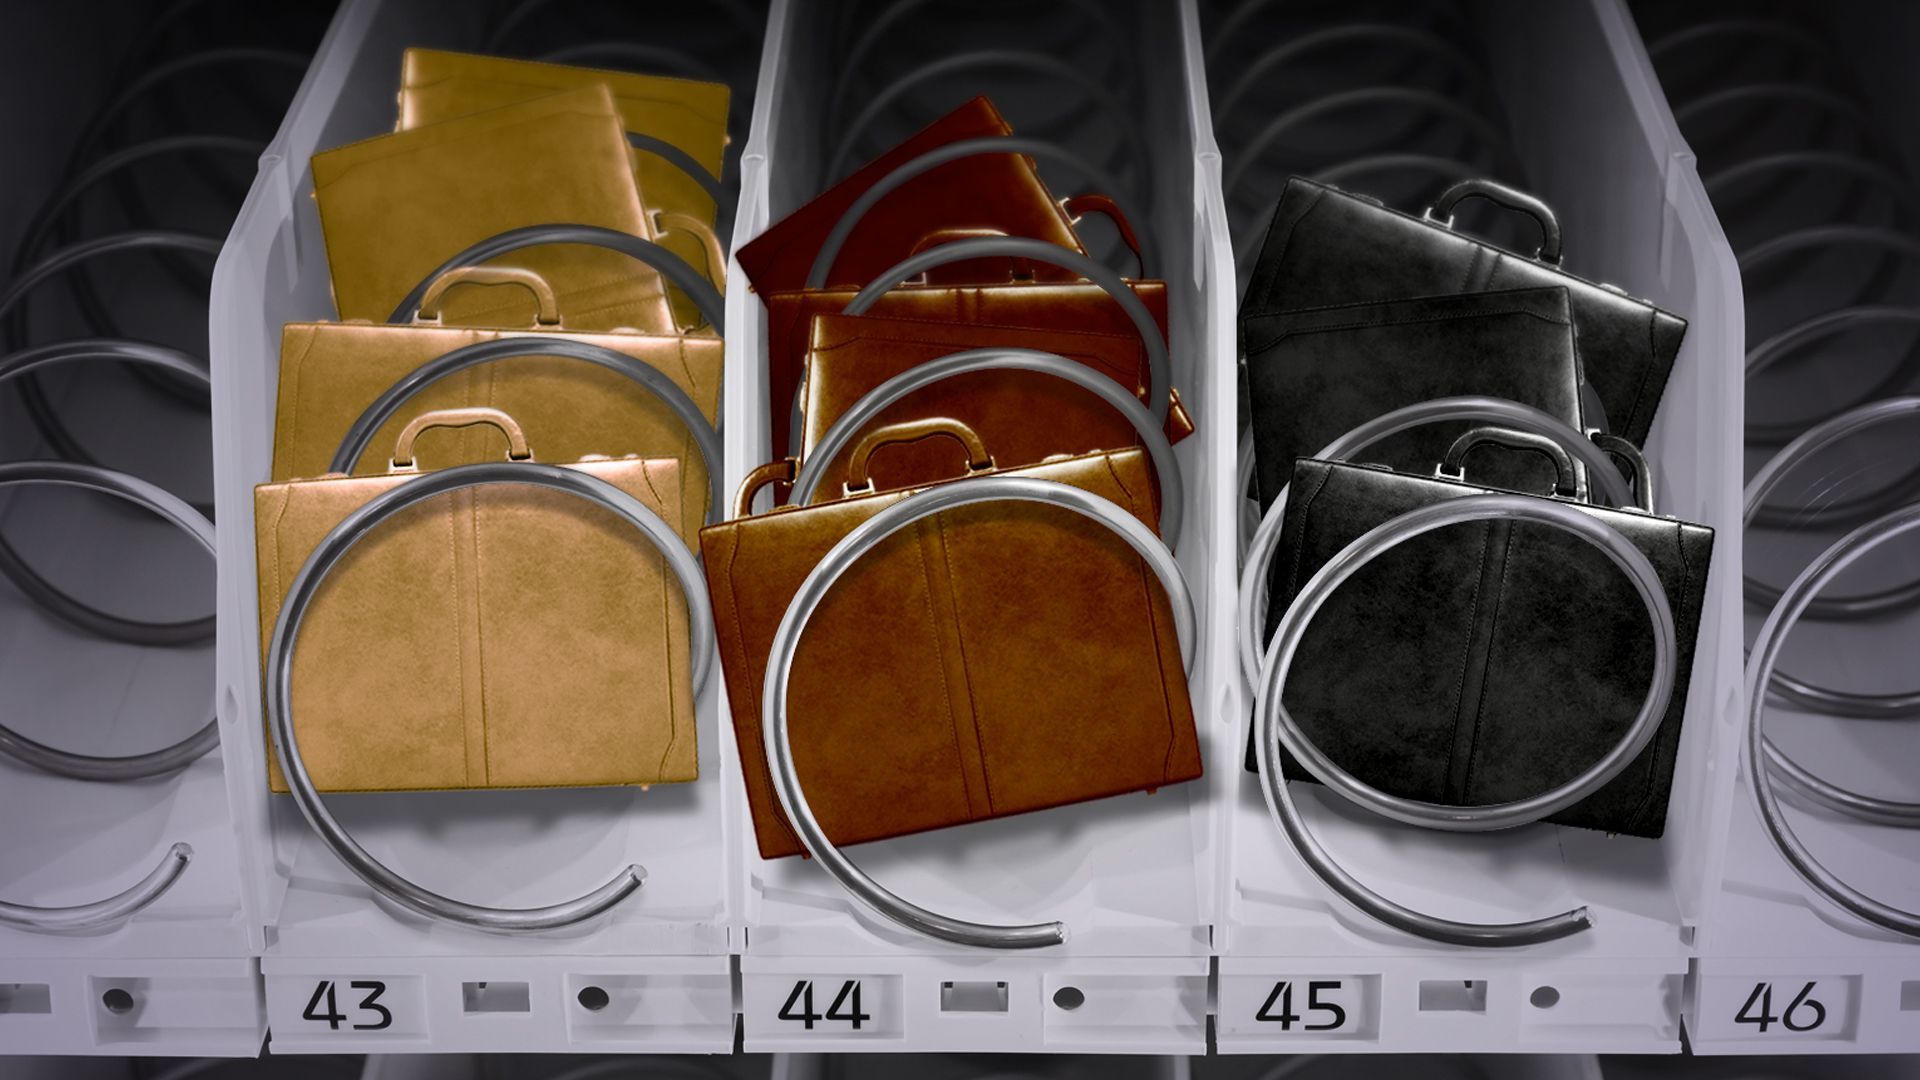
(1024, 416)
(988, 661)
(1080, 306)
(987, 194)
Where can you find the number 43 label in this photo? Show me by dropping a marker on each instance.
(1770, 1009)
(317, 1008)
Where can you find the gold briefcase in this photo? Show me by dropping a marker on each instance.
(499, 636)
(331, 372)
(394, 207)
(686, 114)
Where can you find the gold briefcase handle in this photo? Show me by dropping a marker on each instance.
(773, 472)
(547, 304)
(671, 221)
(859, 482)
(403, 462)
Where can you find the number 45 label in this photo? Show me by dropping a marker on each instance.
(1772, 1009)
(1296, 1006)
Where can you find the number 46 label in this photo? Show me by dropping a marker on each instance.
(1749, 1008)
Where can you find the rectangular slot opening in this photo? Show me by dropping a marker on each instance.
(973, 997)
(1910, 996)
(1453, 995)
(495, 997)
(36, 999)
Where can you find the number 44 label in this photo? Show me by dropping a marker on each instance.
(786, 1008)
(1758, 1008)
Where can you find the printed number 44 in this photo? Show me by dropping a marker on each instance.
(845, 1007)
(333, 1017)
(1282, 996)
(1803, 1013)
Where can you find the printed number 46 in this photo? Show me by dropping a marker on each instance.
(1282, 996)
(848, 998)
(333, 1017)
(1793, 1019)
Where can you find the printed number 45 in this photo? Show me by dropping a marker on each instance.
(1282, 996)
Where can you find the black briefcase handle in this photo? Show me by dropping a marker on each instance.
(1501, 195)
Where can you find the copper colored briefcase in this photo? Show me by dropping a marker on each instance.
(987, 661)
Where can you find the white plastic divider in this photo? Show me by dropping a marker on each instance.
(1585, 116)
(179, 972)
(345, 972)
(1781, 970)
(1131, 877)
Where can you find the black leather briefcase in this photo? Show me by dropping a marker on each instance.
(1326, 246)
(1487, 662)
(1315, 374)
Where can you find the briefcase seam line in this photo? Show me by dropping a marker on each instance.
(1084, 358)
(299, 366)
(1286, 241)
(1300, 546)
(658, 560)
(1141, 573)
(946, 687)
(1381, 323)
(1631, 423)
(747, 733)
(480, 637)
(1466, 651)
(1652, 760)
(1493, 630)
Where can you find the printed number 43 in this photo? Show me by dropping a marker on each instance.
(333, 1017)
(848, 999)
(1282, 996)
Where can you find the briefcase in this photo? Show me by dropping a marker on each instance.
(1325, 246)
(331, 372)
(689, 116)
(1024, 416)
(1501, 659)
(1077, 306)
(988, 661)
(499, 636)
(986, 194)
(1313, 374)
(394, 207)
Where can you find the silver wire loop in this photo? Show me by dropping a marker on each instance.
(111, 911)
(286, 632)
(1600, 473)
(786, 642)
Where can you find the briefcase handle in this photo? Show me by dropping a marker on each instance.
(1159, 362)
(1441, 212)
(546, 304)
(668, 222)
(863, 412)
(860, 481)
(675, 269)
(1568, 482)
(706, 438)
(1039, 149)
(402, 461)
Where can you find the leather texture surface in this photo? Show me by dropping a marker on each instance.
(986, 194)
(496, 637)
(1486, 662)
(1317, 373)
(987, 661)
(1325, 246)
(691, 115)
(393, 207)
(1023, 415)
(1082, 307)
(331, 372)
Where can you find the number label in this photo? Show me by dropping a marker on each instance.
(845, 1007)
(1803, 1014)
(369, 1006)
(1278, 1008)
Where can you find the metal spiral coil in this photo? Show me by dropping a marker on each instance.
(1823, 214)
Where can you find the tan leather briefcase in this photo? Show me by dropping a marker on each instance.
(495, 637)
